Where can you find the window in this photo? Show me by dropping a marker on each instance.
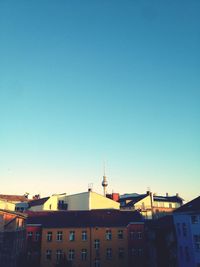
(132, 235)
(96, 244)
(59, 236)
(194, 219)
(133, 252)
(29, 255)
(120, 234)
(96, 263)
(139, 235)
(48, 254)
(184, 229)
(108, 253)
(58, 254)
(71, 254)
(30, 235)
(140, 252)
(187, 254)
(49, 236)
(84, 254)
(181, 251)
(121, 253)
(178, 228)
(37, 236)
(84, 235)
(71, 236)
(62, 205)
(108, 235)
(137, 252)
(197, 242)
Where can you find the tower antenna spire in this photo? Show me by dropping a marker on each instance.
(104, 182)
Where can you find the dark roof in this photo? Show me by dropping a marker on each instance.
(133, 199)
(192, 206)
(92, 218)
(14, 198)
(168, 199)
(38, 202)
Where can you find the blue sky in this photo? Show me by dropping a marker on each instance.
(83, 82)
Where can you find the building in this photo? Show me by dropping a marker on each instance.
(93, 238)
(12, 238)
(14, 202)
(33, 244)
(81, 201)
(161, 242)
(150, 205)
(187, 224)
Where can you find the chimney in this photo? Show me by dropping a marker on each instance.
(115, 197)
(177, 195)
(167, 194)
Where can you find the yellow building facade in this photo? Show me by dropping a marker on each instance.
(96, 238)
(96, 246)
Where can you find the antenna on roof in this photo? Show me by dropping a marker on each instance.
(90, 187)
(104, 182)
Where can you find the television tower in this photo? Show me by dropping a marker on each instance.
(104, 182)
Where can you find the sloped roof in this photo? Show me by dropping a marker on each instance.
(92, 218)
(14, 198)
(192, 206)
(132, 199)
(38, 202)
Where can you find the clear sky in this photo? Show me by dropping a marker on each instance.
(86, 81)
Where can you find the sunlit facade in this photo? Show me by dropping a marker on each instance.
(99, 238)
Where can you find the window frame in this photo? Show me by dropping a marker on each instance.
(59, 236)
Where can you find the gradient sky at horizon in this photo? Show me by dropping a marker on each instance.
(83, 82)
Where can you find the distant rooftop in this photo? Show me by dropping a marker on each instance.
(38, 202)
(14, 198)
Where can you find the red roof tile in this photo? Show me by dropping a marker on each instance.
(14, 198)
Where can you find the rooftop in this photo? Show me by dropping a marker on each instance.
(38, 202)
(14, 198)
(192, 206)
(92, 218)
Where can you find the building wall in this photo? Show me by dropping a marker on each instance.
(12, 239)
(94, 233)
(185, 243)
(90, 200)
(136, 245)
(33, 248)
(165, 204)
(144, 203)
(78, 201)
(100, 202)
(51, 203)
(7, 205)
